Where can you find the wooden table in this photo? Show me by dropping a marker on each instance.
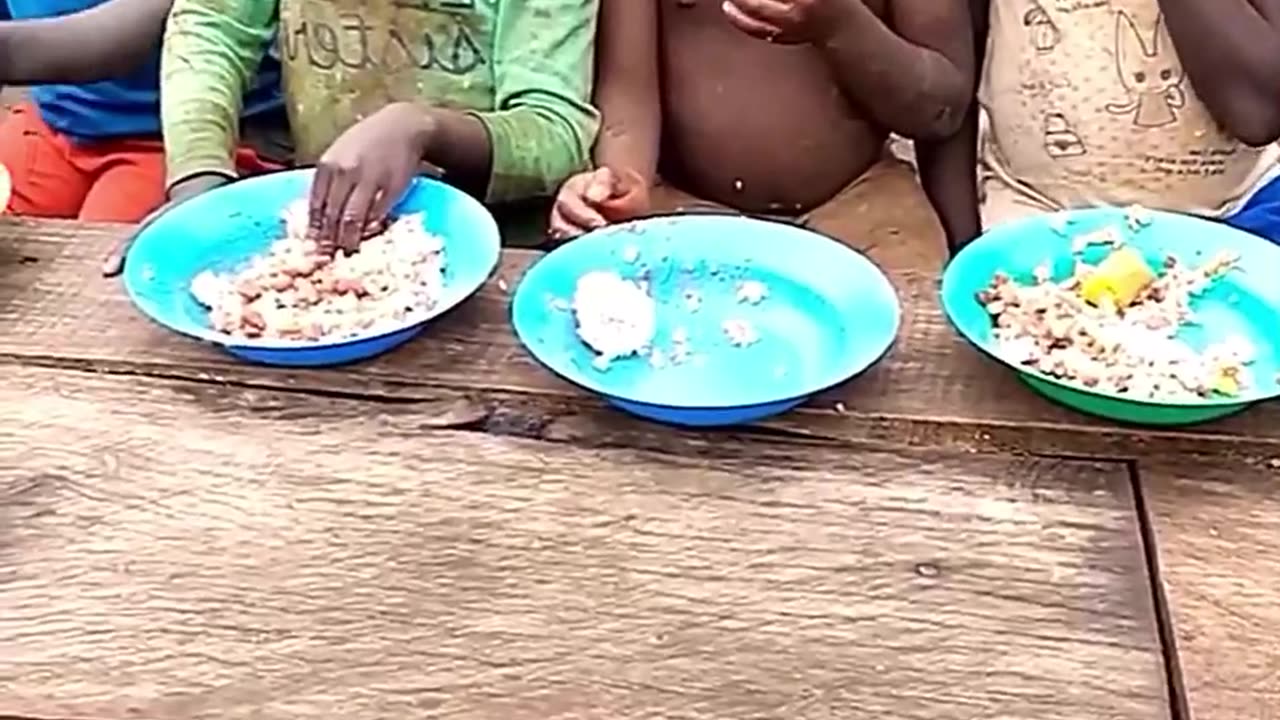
(449, 531)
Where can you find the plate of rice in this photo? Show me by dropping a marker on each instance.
(1136, 315)
(706, 320)
(236, 267)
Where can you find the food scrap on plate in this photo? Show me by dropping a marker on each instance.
(1118, 280)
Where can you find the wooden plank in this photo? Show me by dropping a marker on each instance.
(931, 389)
(1216, 533)
(165, 554)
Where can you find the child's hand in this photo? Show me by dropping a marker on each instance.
(182, 191)
(364, 172)
(784, 21)
(577, 204)
(592, 200)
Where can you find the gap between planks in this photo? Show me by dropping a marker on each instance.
(1175, 685)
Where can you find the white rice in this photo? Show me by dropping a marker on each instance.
(296, 292)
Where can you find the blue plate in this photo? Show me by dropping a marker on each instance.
(223, 229)
(829, 315)
(1244, 303)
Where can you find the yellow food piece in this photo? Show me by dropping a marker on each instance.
(1226, 384)
(1118, 280)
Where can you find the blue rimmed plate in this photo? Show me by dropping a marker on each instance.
(829, 314)
(223, 229)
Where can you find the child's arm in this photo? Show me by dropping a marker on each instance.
(948, 167)
(1231, 51)
(627, 87)
(212, 49)
(103, 42)
(628, 95)
(913, 74)
(543, 124)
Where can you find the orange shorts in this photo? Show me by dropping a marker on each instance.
(107, 181)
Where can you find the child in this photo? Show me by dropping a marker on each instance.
(88, 144)
(493, 93)
(1170, 104)
(774, 107)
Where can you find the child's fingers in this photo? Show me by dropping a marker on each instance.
(355, 215)
(749, 23)
(561, 229)
(580, 214)
(573, 216)
(114, 263)
(775, 13)
(601, 185)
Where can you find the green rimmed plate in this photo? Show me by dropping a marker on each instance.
(1244, 303)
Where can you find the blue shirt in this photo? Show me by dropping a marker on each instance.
(127, 106)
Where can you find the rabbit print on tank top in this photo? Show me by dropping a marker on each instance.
(1087, 103)
(1152, 76)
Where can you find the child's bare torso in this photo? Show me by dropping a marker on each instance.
(753, 125)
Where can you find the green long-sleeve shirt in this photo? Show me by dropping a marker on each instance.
(522, 67)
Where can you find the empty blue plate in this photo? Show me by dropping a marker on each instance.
(829, 314)
(223, 229)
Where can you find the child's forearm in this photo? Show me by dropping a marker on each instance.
(629, 141)
(948, 173)
(915, 80)
(100, 43)
(949, 166)
(211, 50)
(527, 151)
(628, 90)
(543, 125)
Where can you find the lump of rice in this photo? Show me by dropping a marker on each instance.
(615, 317)
(296, 292)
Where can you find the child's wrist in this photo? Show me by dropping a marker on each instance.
(197, 184)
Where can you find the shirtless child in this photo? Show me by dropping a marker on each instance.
(773, 107)
(1170, 104)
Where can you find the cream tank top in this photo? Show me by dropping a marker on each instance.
(1087, 104)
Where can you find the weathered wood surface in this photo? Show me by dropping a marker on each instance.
(932, 389)
(180, 550)
(1217, 530)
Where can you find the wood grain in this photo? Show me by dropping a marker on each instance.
(166, 554)
(1217, 538)
(932, 389)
